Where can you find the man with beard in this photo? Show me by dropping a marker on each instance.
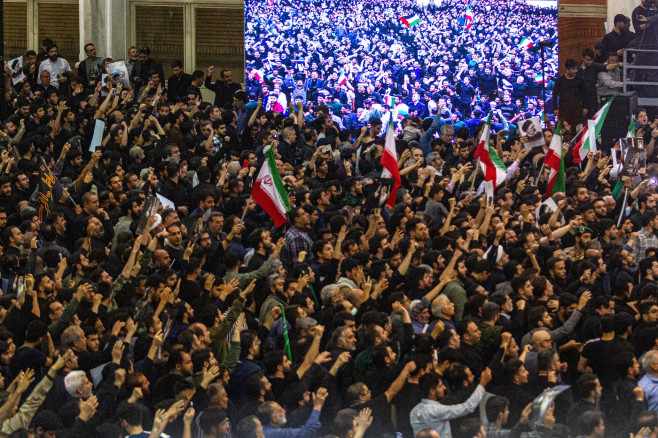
(296, 239)
(557, 274)
(273, 417)
(174, 246)
(6, 201)
(539, 319)
(131, 208)
(261, 241)
(587, 391)
(55, 65)
(275, 298)
(181, 367)
(90, 208)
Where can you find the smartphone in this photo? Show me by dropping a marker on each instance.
(275, 135)
(245, 164)
(325, 149)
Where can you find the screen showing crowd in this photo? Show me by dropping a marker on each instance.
(453, 57)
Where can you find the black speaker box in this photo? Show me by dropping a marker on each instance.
(619, 118)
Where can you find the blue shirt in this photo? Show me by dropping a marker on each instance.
(306, 431)
(649, 384)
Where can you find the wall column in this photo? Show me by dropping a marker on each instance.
(103, 23)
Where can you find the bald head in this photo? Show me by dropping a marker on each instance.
(540, 338)
(161, 258)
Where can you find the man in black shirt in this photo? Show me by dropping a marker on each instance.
(224, 89)
(588, 71)
(620, 37)
(179, 82)
(568, 95)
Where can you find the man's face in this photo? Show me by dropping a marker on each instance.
(52, 54)
(176, 71)
(587, 60)
(474, 333)
(522, 375)
(560, 270)
(186, 364)
(5, 189)
(228, 76)
(132, 53)
(93, 342)
(90, 50)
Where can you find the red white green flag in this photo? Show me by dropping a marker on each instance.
(555, 162)
(526, 43)
(492, 166)
(468, 17)
(590, 133)
(390, 163)
(269, 191)
(410, 20)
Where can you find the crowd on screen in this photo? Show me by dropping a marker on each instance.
(356, 57)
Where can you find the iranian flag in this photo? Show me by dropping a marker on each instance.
(540, 78)
(390, 163)
(526, 43)
(410, 20)
(555, 162)
(342, 78)
(269, 192)
(590, 133)
(390, 101)
(468, 17)
(631, 128)
(492, 166)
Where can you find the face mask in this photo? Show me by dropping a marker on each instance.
(627, 211)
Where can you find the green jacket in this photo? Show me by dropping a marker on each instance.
(219, 342)
(271, 301)
(247, 277)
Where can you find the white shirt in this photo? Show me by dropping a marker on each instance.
(56, 69)
(432, 414)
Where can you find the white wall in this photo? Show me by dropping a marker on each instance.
(620, 7)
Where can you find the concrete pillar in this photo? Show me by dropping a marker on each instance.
(103, 23)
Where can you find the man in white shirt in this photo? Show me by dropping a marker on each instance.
(430, 413)
(55, 65)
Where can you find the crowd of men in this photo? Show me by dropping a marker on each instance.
(444, 315)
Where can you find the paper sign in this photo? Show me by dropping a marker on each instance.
(16, 66)
(166, 203)
(97, 139)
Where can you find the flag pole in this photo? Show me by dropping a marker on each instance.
(244, 213)
(541, 171)
(623, 206)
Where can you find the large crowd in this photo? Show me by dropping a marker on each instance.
(146, 294)
(361, 55)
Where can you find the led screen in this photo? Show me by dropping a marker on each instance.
(362, 58)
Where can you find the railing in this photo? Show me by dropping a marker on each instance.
(628, 66)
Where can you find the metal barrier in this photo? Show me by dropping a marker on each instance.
(628, 66)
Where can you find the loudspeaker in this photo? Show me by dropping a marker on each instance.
(618, 118)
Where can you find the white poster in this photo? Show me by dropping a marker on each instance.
(531, 128)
